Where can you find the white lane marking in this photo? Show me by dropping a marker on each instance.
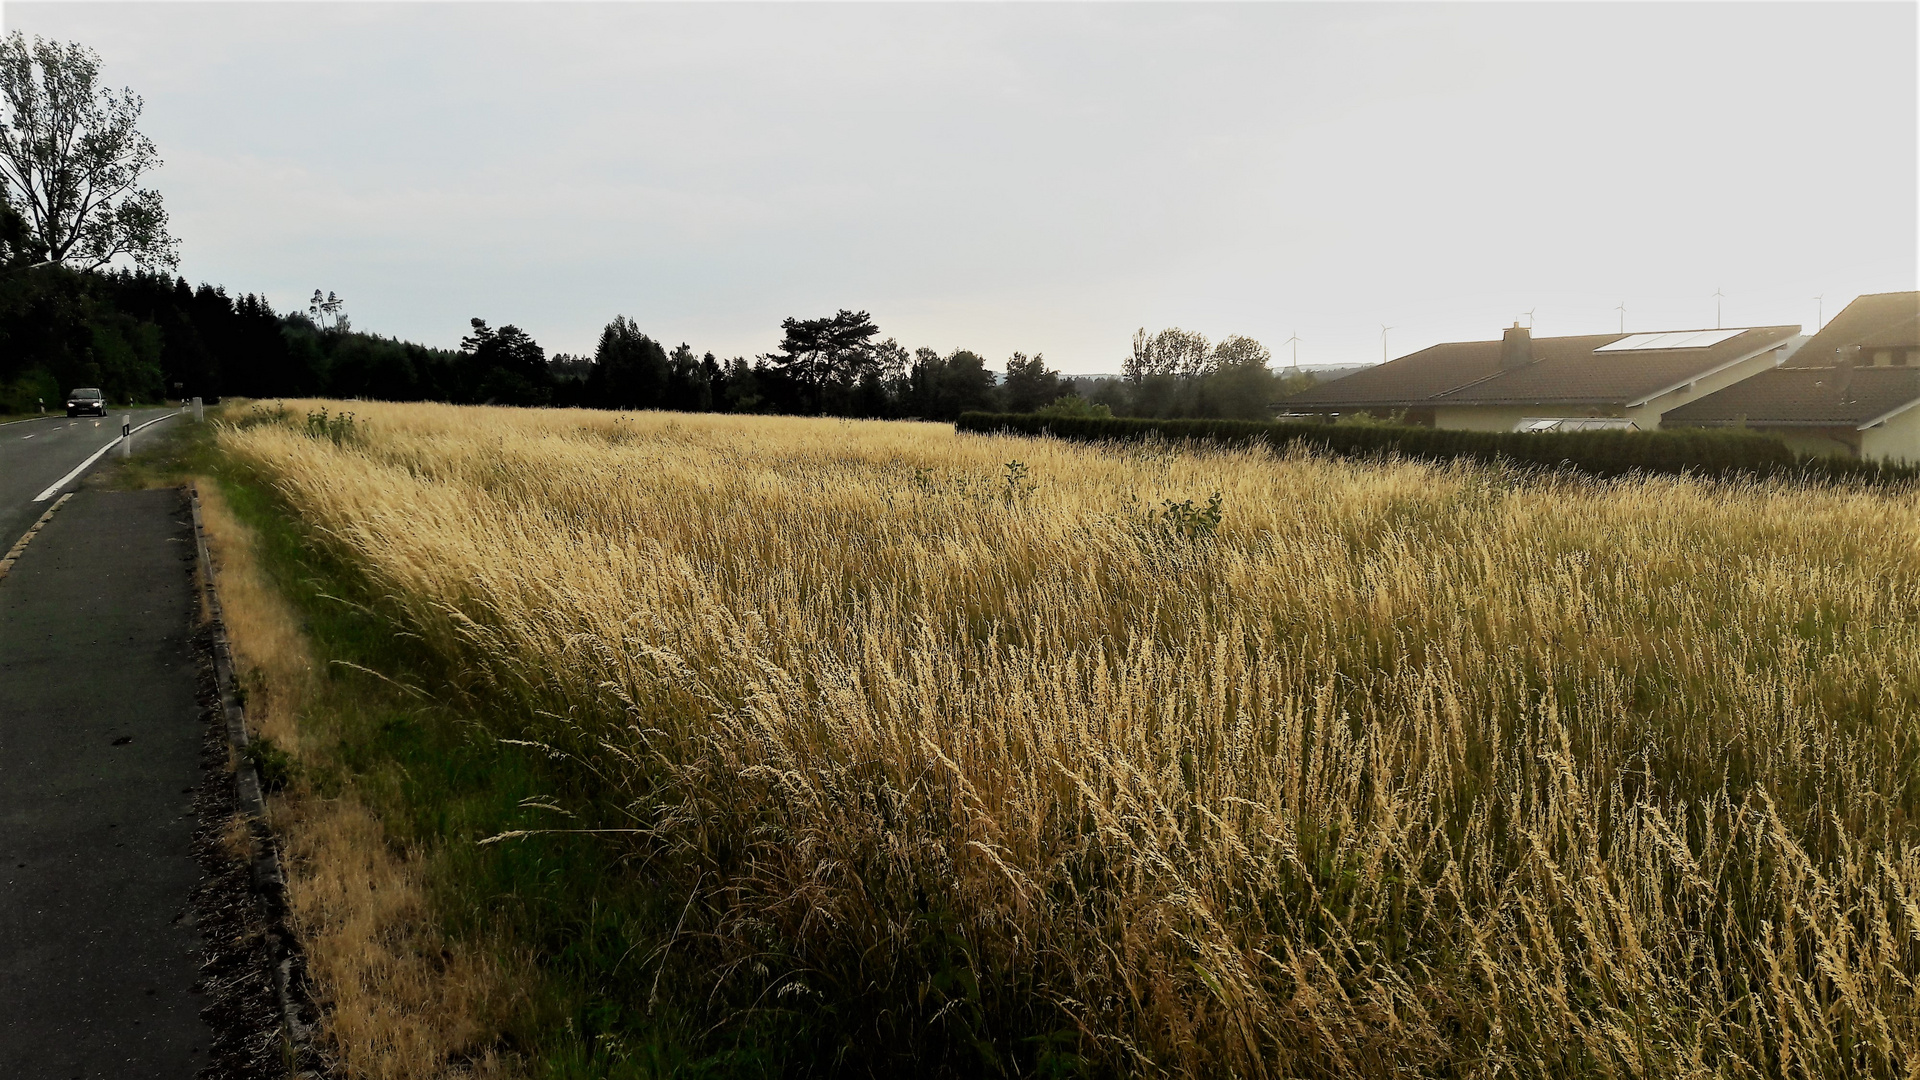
(82, 467)
(29, 436)
(34, 419)
(13, 555)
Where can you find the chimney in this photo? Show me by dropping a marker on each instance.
(1849, 357)
(1516, 348)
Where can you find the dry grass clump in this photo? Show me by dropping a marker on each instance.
(269, 650)
(399, 1000)
(1396, 769)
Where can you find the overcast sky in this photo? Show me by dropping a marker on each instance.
(1033, 177)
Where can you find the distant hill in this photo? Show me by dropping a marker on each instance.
(1335, 371)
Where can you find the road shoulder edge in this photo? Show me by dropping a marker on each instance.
(268, 877)
(20, 546)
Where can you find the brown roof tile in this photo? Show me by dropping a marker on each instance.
(1565, 371)
(1413, 379)
(1876, 320)
(1803, 397)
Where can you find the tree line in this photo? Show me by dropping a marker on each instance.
(149, 336)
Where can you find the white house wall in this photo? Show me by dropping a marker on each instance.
(1896, 440)
(1647, 417)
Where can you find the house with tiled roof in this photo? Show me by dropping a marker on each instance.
(1853, 388)
(1521, 380)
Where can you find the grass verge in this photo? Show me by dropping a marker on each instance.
(434, 954)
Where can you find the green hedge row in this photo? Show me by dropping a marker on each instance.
(1706, 452)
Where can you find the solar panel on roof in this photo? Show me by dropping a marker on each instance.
(1674, 339)
(1635, 341)
(1576, 423)
(1701, 339)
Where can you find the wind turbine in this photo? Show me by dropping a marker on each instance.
(1383, 342)
(1819, 310)
(1718, 296)
(1529, 314)
(1295, 342)
(1622, 309)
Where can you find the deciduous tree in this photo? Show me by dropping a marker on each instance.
(1183, 352)
(1240, 351)
(1030, 385)
(1172, 351)
(941, 388)
(71, 160)
(16, 240)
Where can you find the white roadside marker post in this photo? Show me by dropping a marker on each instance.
(126, 435)
(199, 411)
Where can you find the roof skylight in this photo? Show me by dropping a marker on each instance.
(1679, 339)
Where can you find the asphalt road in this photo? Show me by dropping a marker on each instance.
(100, 741)
(35, 453)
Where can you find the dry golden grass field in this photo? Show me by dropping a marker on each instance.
(1021, 755)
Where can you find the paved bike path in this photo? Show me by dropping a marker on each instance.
(100, 736)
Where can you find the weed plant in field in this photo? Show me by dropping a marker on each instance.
(1321, 768)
